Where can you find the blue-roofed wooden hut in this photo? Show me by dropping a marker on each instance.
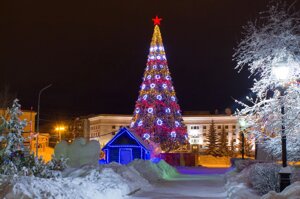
(126, 146)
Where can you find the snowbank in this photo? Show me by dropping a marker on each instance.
(154, 171)
(111, 181)
(240, 191)
(290, 192)
(237, 185)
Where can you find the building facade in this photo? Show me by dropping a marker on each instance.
(104, 127)
(29, 129)
(27, 115)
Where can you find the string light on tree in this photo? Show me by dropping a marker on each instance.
(158, 108)
(146, 136)
(173, 134)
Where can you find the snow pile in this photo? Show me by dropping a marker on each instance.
(153, 171)
(240, 191)
(237, 185)
(106, 184)
(290, 192)
(111, 181)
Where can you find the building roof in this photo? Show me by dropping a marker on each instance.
(131, 134)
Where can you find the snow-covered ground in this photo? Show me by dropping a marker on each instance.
(138, 180)
(191, 183)
(111, 181)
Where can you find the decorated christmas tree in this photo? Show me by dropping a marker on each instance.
(157, 116)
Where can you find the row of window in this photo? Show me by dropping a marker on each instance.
(98, 134)
(227, 133)
(205, 147)
(219, 127)
(196, 141)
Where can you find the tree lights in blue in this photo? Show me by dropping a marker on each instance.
(159, 97)
(140, 123)
(173, 134)
(159, 122)
(150, 110)
(146, 136)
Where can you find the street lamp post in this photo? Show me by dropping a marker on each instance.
(38, 119)
(242, 134)
(281, 72)
(243, 144)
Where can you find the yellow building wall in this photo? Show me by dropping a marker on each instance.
(29, 116)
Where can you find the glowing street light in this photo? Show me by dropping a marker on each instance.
(60, 129)
(281, 72)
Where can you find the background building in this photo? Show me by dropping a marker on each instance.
(104, 127)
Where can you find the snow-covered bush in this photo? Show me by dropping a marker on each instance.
(57, 164)
(264, 177)
(241, 164)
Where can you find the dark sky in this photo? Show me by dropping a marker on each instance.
(94, 52)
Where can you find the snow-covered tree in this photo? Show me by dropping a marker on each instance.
(15, 127)
(12, 157)
(268, 43)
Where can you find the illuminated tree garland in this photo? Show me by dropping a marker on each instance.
(157, 116)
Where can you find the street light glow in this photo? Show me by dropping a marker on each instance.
(281, 72)
(60, 128)
(282, 67)
(242, 123)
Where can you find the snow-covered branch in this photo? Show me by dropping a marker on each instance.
(271, 40)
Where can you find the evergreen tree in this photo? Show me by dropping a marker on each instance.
(157, 115)
(223, 143)
(14, 140)
(12, 158)
(211, 139)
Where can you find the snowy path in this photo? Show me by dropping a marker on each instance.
(204, 183)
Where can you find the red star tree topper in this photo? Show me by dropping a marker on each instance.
(156, 20)
(157, 116)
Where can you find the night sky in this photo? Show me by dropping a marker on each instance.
(94, 52)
